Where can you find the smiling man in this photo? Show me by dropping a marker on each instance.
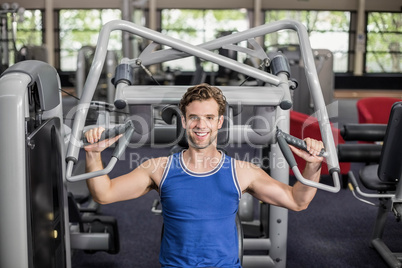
(200, 187)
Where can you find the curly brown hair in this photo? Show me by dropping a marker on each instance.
(202, 92)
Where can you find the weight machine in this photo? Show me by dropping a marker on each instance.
(36, 81)
(382, 175)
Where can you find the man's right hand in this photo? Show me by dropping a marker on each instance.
(93, 135)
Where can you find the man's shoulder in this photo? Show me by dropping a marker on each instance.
(244, 165)
(154, 164)
(157, 160)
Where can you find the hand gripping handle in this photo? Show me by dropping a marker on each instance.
(120, 148)
(111, 132)
(287, 153)
(298, 143)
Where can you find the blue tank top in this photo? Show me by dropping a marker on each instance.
(199, 211)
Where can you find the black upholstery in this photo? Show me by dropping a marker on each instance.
(385, 175)
(390, 168)
(370, 180)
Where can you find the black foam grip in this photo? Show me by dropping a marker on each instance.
(363, 132)
(364, 153)
(287, 153)
(111, 132)
(296, 142)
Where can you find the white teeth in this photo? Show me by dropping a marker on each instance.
(201, 134)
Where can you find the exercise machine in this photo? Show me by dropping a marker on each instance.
(255, 114)
(323, 60)
(270, 105)
(382, 174)
(36, 229)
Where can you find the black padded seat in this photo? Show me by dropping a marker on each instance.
(369, 178)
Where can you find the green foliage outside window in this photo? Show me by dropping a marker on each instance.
(80, 28)
(200, 26)
(29, 31)
(326, 29)
(384, 43)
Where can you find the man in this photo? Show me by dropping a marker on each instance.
(200, 187)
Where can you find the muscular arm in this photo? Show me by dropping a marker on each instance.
(271, 191)
(128, 186)
(303, 194)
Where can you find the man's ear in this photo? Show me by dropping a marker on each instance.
(183, 122)
(220, 121)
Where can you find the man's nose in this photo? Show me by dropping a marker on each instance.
(201, 123)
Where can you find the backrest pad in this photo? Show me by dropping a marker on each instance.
(390, 166)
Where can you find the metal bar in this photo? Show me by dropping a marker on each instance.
(278, 217)
(93, 174)
(250, 261)
(357, 188)
(329, 188)
(386, 253)
(13, 188)
(99, 59)
(256, 244)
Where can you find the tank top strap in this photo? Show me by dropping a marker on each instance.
(166, 170)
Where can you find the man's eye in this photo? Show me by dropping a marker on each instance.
(193, 117)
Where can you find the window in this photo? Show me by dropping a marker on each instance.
(80, 28)
(384, 41)
(326, 29)
(199, 26)
(28, 33)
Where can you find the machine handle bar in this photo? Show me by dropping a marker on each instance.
(298, 143)
(111, 132)
(121, 146)
(287, 153)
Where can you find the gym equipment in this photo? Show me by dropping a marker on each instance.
(361, 152)
(263, 108)
(384, 178)
(32, 53)
(269, 105)
(302, 126)
(298, 143)
(36, 230)
(323, 60)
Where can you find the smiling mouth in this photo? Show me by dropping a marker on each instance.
(201, 134)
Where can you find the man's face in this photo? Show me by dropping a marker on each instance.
(202, 123)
